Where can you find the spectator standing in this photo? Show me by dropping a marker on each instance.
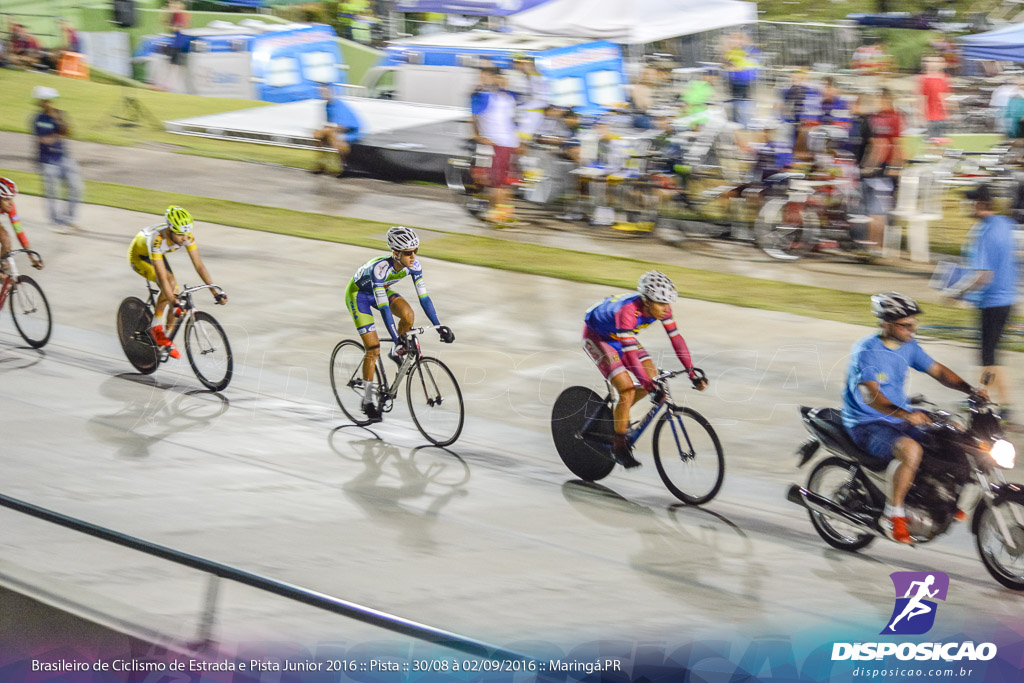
(531, 95)
(934, 88)
(25, 52)
(494, 124)
(178, 19)
(70, 42)
(55, 164)
(991, 286)
(999, 104)
(742, 72)
(883, 160)
(331, 137)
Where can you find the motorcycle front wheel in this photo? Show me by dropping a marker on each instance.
(1003, 562)
(830, 479)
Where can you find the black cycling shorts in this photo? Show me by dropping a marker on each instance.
(993, 321)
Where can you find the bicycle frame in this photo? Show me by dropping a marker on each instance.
(11, 276)
(187, 306)
(634, 433)
(411, 358)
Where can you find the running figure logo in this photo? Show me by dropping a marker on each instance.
(914, 612)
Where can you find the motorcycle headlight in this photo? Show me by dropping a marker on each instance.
(1004, 454)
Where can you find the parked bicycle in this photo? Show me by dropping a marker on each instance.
(433, 394)
(687, 451)
(29, 307)
(206, 345)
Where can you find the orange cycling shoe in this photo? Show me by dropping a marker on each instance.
(157, 333)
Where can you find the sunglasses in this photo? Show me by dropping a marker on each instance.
(906, 326)
(411, 252)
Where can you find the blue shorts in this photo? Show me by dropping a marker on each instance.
(878, 438)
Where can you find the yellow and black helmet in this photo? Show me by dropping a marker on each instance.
(179, 220)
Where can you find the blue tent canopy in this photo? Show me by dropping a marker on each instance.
(485, 8)
(1004, 44)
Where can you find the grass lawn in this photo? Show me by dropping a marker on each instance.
(815, 302)
(91, 109)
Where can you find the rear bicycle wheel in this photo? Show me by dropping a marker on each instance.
(435, 401)
(347, 380)
(688, 456)
(208, 351)
(31, 312)
(133, 320)
(780, 230)
(588, 456)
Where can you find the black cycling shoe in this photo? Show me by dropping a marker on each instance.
(623, 454)
(371, 411)
(393, 355)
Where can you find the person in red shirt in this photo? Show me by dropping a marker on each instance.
(883, 160)
(7, 191)
(24, 48)
(934, 88)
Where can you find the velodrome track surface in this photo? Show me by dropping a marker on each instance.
(491, 539)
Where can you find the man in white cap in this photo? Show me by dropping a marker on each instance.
(55, 165)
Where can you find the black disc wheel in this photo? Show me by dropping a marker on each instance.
(347, 380)
(31, 312)
(688, 456)
(208, 351)
(133, 321)
(582, 428)
(435, 401)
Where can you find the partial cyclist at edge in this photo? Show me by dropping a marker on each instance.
(609, 338)
(7, 192)
(146, 256)
(371, 287)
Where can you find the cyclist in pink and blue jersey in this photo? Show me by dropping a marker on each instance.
(609, 338)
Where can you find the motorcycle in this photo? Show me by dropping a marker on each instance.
(962, 468)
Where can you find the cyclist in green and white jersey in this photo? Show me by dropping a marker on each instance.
(371, 287)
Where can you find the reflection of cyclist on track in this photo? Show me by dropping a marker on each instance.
(146, 256)
(609, 339)
(915, 607)
(371, 286)
(7, 191)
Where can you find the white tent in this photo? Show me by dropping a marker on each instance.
(632, 22)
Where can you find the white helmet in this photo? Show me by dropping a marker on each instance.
(402, 239)
(656, 286)
(891, 306)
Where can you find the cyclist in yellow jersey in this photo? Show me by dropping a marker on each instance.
(146, 256)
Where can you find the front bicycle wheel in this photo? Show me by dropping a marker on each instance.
(347, 380)
(133, 321)
(689, 456)
(31, 312)
(435, 401)
(208, 351)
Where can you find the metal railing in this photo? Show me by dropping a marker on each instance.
(366, 615)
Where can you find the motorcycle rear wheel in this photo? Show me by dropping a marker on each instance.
(830, 478)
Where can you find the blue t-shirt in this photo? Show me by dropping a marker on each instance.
(872, 361)
(45, 125)
(990, 246)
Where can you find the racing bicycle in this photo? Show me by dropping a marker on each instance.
(687, 451)
(29, 307)
(206, 345)
(433, 394)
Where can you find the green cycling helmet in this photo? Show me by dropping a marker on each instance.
(179, 220)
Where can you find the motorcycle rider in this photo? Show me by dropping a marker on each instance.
(876, 411)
